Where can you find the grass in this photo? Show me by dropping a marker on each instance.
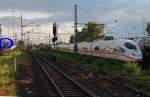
(141, 81)
(132, 69)
(8, 73)
(91, 63)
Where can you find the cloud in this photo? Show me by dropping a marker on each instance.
(128, 13)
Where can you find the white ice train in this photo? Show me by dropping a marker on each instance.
(126, 50)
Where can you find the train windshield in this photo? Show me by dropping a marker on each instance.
(120, 49)
(130, 46)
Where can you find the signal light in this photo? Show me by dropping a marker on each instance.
(54, 39)
(54, 29)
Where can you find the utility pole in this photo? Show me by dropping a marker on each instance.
(27, 39)
(21, 28)
(49, 39)
(13, 25)
(75, 29)
(22, 40)
(14, 57)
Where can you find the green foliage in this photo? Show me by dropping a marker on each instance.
(90, 32)
(132, 69)
(7, 73)
(91, 62)
(5, 43)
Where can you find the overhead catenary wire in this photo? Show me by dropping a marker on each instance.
(90, 15)
(120, 6)
(106, 13)
(53, 12)
(56, 8)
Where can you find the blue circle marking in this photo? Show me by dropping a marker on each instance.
(11, 43)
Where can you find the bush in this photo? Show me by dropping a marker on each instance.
(132, 69)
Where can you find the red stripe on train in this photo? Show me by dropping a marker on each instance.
(116, 53)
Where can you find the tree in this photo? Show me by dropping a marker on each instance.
(90, 32)
(93, 31)
(148, 28)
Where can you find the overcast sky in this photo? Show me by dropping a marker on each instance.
(122, 17)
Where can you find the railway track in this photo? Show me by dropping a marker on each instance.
(123, 84)
(45, 88)
(58, 84)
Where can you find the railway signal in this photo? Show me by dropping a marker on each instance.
(54, 33)
(54, 29)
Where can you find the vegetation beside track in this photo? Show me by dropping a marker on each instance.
(131, 71)
(8, 73)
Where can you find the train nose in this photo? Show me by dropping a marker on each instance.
(141, 56)
(138, 55)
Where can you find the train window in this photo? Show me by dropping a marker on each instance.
(96, 48)
(115, 49)
(120, 49)
(102, 49)
(130, 46)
